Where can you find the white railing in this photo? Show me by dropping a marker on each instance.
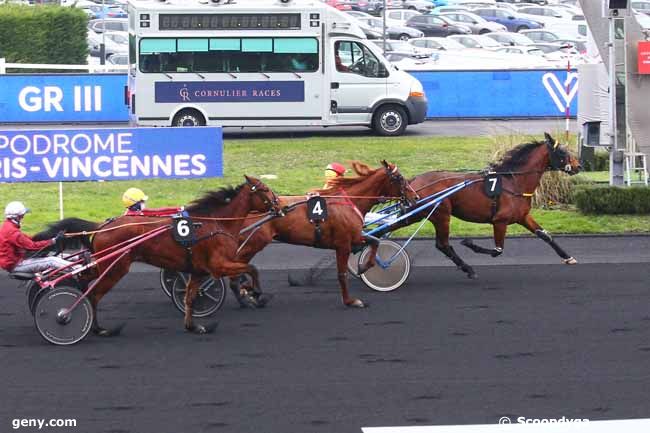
(90, 68)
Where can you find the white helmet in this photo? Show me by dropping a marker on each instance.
(15, 209)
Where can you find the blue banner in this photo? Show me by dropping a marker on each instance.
(230, 91)
(494, 94)
(110, 154)
(36, 98)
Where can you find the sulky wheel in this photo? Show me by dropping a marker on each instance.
(385, 276)
(167, 278)
(56, 323)
(212, 294)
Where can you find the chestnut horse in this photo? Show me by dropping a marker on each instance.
(220, 214)
(342, 230)
(521, 170)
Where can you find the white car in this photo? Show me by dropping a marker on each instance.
(433, 45)
(510, 38)
(641, 6)
(477, 41)
(545, 14)
(111, 47)
(418, 5)
(398, 17)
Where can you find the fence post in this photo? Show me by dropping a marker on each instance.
(2, 66)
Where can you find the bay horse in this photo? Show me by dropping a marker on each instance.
(348, 199)
(521, 170)
(221, 215)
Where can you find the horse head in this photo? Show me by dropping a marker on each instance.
(559, 157)
(399, 185)
(263, 198)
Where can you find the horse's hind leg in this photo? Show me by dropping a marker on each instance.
(530, 223)
(441, 223)
(372, 257)
(191, 290)
(102, 287)
(342, 256)
(249, 295)
(499, 230)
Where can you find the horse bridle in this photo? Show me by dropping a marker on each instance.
(395, 176)
(272, 205)
(558, 158)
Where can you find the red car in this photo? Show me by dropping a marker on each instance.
(341, 5)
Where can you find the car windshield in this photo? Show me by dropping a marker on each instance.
(477, 18)
(535, 52)
(451, 44)
(487, 42)
(520, 39)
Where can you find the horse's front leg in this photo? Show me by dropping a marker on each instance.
(441, 223)
(342, 256)
(373, 243)
(499, 232)
(530, 223)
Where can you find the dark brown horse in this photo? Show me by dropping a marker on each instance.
(342, 230)
(221, 215)
(521, 170)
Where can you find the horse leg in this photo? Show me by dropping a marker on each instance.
(441, 224)
(372, 257)
(342, 255)
(101, 288)
(499, 230)
(530, 223)
(191, 290)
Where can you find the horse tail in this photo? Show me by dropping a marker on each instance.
(70, 225)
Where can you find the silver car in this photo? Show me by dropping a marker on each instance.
(476, 23)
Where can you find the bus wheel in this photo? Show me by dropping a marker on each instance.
(389, 120)
(188, 117)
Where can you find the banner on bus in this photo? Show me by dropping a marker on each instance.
(33, 98)
(110, 154)
(230, 91)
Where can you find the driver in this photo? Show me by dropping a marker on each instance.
(135, 201)
(332, 171)
(14, 244)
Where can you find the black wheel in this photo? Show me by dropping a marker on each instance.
(390, 120)
(56, 323)
(189, 117)
(212, 294)
(520, 28)
(404, 37)
(394, 275)
(167, 278)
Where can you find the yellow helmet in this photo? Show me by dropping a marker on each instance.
(132, 196)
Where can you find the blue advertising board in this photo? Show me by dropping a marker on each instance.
(229, 91)
(110, 154)
(493, 94)
(34, 98)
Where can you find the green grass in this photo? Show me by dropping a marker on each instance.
(298, 164)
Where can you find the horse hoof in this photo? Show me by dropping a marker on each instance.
(209, 329)
(570, 261)
(263, 299)
(357, 303)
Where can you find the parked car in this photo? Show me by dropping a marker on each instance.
(477, 24)
(580, 46)
(477, 41)
(541, 35)
(530, 50)
(434, 25)
(512, 21)
(111, 47)
(432, 45)
(394, 32)
(418, 5)
(537, 2)
(511, 39)
(116, 24)
(118, 59)
(96, 11)
(373, 7)
(399, 17)
(359, 14)
(561, 54)
(397, 46)
(120, 38)
(446, 9)
(341, 5)
(545, 14)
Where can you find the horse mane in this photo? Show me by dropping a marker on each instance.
(362, 170)
(213, 199)
(515, 157)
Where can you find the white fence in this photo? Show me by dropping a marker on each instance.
(90, 68)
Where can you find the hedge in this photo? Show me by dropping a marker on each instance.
(613, 200)
(43, 34)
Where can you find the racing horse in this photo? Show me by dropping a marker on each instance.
(520, 170)
(347, 200)
(219, 216)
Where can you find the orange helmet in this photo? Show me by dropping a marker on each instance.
(334, 169)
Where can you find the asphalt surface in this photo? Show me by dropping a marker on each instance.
(465, 127)
(541, 341)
